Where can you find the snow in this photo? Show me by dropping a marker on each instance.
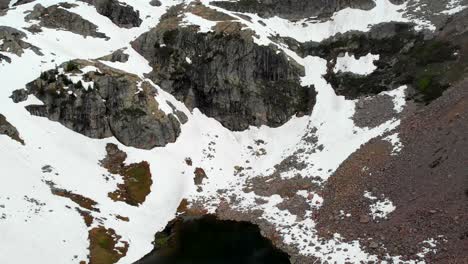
(48, 231)
(363, 66)
(204, 24)
(381, 208)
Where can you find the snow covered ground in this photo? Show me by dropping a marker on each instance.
(38, 226)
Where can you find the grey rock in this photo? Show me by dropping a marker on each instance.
(19, 95)
(294, 9)
(226, 75)
(116, 56)
(364, 219)
(115, 106)
(5, 58)
(119, 13)
(9, 130)
(373, 111)
(57, 17)
(13, 41)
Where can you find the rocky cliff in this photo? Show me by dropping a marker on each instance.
(103, 102)
(294, 9)
(226, 74)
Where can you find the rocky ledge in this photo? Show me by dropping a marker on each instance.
(294, 9)
(119, 13)
(58, 17)
(225, 73)
(427, 64)
(98, 101)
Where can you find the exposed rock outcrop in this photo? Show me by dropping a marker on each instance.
(57, 17)
(136, 177)
(105, 102)
(294, 9)
(4, 4)
(9, 130)
(424, 181)
(407, 57)
(225, 74)
(22, 2)
(116, 56)
(12, 41)
(119, 13)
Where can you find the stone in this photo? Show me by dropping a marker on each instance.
(364, 219)
(230, 77)
(13, 41)
(58, 17)
(294, 9)
(19, 95)
(123, 15)
(114, 106)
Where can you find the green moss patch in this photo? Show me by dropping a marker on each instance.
(136, 177)
(103, 248)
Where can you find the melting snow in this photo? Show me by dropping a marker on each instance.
(363, 66)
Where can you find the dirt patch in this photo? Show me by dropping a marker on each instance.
(79, 199)
(137, 177)
(105, 246)
(123, 218)
(87, 217)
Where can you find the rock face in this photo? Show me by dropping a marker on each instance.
(113, 104)
(119, 13)
(225, 74)
(294, 9)
(428, 65)
(57, 17)
(12, 41)
(116, 56)
(9, 130)
(4, 4)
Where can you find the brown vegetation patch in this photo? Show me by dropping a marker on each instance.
(200, 175)
(425, 181)
(274, 184)
(87, 217)
(105, 246)
(79, 199)
(137, 177)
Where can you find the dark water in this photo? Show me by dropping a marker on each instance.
(207, 240)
